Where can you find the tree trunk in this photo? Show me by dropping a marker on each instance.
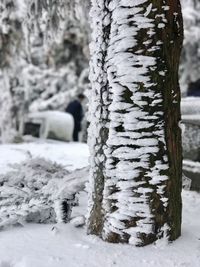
(135, 111)
(98, 130)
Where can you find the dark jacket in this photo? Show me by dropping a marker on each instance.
(194, 88)
(76, 110)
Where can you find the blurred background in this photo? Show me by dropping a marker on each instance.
(44, 62)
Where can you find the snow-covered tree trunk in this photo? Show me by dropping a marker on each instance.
(98, 132)
(135, 140)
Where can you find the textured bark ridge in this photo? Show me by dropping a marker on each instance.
(172, 117)
(98, 130)
(138, 160)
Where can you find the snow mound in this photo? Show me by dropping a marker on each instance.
(78, 221)
(40, 191)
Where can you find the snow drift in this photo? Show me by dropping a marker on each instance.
(39, 191)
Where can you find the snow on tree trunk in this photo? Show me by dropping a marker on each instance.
(135, 139)
(98, 130)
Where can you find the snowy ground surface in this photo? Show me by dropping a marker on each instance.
(67, 246)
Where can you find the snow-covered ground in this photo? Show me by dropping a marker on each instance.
(72, 155)
(67, 246)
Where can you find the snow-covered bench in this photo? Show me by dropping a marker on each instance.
(52, 124)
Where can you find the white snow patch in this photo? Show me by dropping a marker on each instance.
(66, 245)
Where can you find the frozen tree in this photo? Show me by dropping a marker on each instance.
(134, 113)
(135, 140)
(44, 57)
(11, 62)
(65, 73)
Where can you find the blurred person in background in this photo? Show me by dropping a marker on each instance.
(76, 110)
(194, 88)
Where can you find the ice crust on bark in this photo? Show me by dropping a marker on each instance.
(135, 135)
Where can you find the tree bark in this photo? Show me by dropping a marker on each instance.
(98, 130)
(136, 168)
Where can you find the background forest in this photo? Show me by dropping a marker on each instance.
(43, 70)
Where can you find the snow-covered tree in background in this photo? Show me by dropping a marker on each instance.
(34, 79)
(190, 61)
(65, 72)
(11, 37)
(64, 69)
(44, 57)
(135, 140)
